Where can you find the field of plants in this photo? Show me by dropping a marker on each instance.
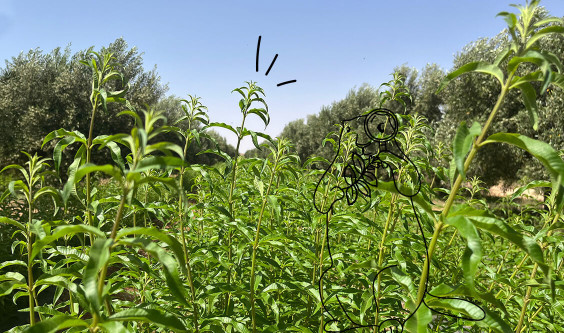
(388, 236)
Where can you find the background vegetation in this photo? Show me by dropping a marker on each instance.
(142, 219)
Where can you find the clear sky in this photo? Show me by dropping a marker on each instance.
(208, 48)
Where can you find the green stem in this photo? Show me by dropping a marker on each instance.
(30, 283)
(88, 158)
(102, 278)
(456, 186)
(526, 300)
(381, 258)
(387, 227)
(325, 234)
(182, 232)
(231, 189)
(256, 243)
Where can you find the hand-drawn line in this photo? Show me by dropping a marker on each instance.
(271, 64)
(285, 82)
(360, 176)
(258, 49)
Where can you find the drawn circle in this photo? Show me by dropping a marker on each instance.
(381, 125)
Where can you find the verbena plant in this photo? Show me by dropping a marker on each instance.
(244, 249)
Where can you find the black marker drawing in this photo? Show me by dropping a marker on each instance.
(375, 148)
(271, 64)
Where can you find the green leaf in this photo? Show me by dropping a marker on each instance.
(115, 151)
(58, 150)
(502, 55)
(222, 125)
(158, 162)
(479, 66)
(462, 144)
(227, 321)
(510, 19)
(63, 231)
(223, 211)
(170, 268)
(70, 184)
(493, 321)
(227, 158)
(482, 220)
(165, 147)
(558, 80)
(152, 180)
(530, 100)
(20, 185)
(530, 77)
(473, 252)
(103, 97)
(243, 229)
(500, 228)
(54, 193)
(98, 257)
(8, 220)
(149, 315)
(12, 262)
(263, 114)
(417, 199)
(240, 91)
(530, 185)
(114, 327)
(138, 121)
(273, 200)
(542, 59)
(555, 29)
(544, 153)
(457, 306)
(157, 234)
(55, 324)
(419, 322)
(64, 133)
(259, 185)
(253, 136)
(76, 175)
(7, 287)
(87, 168)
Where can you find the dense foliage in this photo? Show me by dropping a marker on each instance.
(41, 92)
(151, 243)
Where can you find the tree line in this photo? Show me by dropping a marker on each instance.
(468, 98)
(41, 92)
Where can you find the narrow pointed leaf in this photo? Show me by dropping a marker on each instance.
(481, 67)
(462, 144)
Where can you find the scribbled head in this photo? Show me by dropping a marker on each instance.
(367, 151)
(360, 140)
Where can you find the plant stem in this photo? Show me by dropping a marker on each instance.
(256, 244)
(231, 189)
(326, 234)
(526, 299)
(102, 278)
(30, 283)
(530, 288)
(381, 258)
(456, 186)
(88, 158)
(182, 232)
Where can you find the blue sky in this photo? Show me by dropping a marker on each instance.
(208, 48)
